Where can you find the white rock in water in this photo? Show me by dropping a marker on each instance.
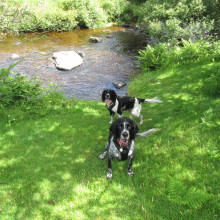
(95, 39)
(15, 56)
(67, 60)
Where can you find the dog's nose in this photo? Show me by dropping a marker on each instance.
(107, 96)
(125, 134)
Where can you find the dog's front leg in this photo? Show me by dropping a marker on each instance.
(130, 158)
(130, 172)
(112, 117)
(109, 173)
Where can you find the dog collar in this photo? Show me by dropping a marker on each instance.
(109, 103)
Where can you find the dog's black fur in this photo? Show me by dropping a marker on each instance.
(117, 104)
(120, 144)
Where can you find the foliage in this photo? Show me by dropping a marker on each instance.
(192, 196)
(59, 15)
(189, 85)
(16, 18)
(169, 21)
(163, 53)
(16, 91)
(18, 88)
(55, 20)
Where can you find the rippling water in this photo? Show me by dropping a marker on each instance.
(106, 62)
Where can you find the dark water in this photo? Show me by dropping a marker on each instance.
(106, 62)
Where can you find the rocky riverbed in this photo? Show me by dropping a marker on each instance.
(112, 59)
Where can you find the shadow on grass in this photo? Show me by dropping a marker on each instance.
(49, 166)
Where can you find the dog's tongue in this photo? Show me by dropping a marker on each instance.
(107, 100)
(123, 142)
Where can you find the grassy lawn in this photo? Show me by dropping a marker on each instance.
(49, 167)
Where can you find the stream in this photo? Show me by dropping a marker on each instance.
(111, 60)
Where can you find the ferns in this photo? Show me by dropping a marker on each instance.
(181, 194)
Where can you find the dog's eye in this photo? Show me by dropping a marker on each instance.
(128, 126)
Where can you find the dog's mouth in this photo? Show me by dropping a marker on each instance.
(123, 142)
(108, 102)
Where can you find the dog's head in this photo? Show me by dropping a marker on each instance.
(109, 96)
(124, 130)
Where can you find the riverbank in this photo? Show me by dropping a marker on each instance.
(59, 15)
(49, 166)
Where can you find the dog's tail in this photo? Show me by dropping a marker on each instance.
(152, 101)
(146, 133)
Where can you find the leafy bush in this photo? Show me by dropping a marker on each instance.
(163, 54)
(170, 21)
(17, 89)
(60, 15)
(16, 18)
(152, 57)
(54, 20)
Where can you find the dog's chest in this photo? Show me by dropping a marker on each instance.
(120, 153)
(115, 108)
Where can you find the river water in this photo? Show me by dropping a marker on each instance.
(108, 61)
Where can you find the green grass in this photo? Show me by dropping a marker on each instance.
(49, 167)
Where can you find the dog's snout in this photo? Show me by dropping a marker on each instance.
(125, 134)
(107, 96)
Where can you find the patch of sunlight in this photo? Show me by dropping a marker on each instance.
(81, 189)
(66, 176)
(80, 160)
(10, 133)
(54, 126)
(45, 189)
(8, 162)
(200, 151)
(183, 96)
(186, 174)
(136, 165)
(70, 210)
(91, 111)
(101, 103)
(166, 75)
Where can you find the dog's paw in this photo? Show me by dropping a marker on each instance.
(110, 122)
(109, 175)
(102, 156)
(130, 173)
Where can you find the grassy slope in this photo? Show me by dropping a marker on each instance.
(49, 165)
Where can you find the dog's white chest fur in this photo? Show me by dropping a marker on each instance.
(115, 108)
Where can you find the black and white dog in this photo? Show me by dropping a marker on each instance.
(116, 104)
(120, 144)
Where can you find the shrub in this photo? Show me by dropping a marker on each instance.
(17, 89)
(162, 54)
(116, 9)
(152, 57)
(54, 20)
(173, 20)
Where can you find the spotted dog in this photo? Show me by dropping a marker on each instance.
(117, 104)
(120, 144)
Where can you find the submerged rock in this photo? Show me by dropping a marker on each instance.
(95, 39)
(67, 60)
(15, 56)
(119, 85)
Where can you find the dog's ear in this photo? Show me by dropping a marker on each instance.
(113, 95)
(103, 95)
(135, 128)
(113, 128)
